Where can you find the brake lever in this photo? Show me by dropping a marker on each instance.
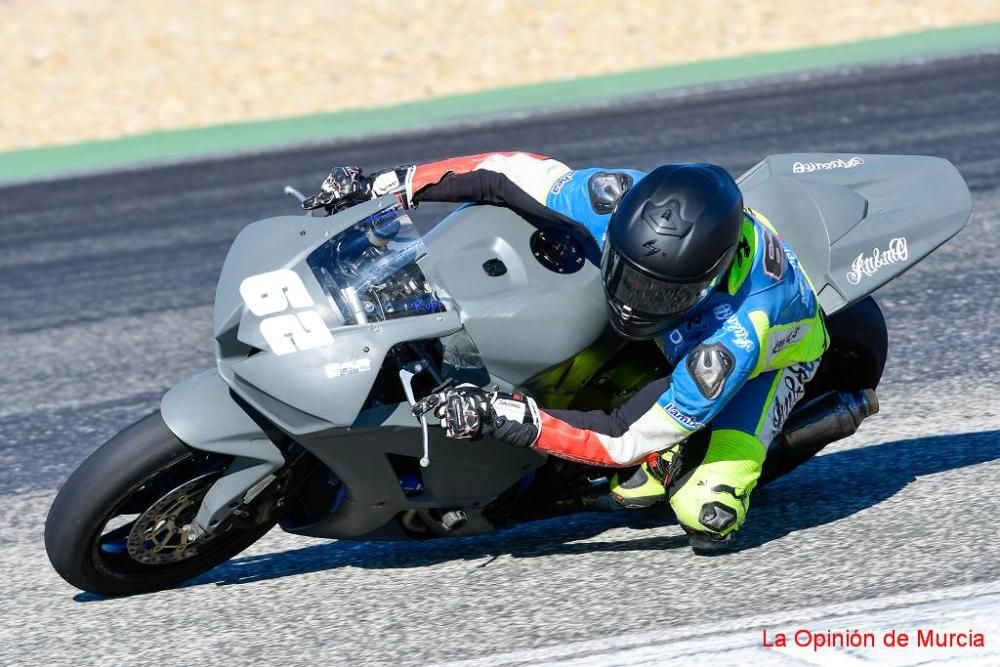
(406, 379)
(293, 192)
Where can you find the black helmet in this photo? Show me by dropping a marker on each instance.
(669, 242)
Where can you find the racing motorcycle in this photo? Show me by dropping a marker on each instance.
(327, 330)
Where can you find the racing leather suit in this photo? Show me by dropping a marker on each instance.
(741, 361)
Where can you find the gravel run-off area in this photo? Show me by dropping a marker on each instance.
(76, 70)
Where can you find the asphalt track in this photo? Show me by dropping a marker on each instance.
(106, 285)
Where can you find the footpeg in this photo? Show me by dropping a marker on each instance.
(600, 502)
(454, 520)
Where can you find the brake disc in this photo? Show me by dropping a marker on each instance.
(161, 534)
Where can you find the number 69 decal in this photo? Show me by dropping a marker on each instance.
(276, 291)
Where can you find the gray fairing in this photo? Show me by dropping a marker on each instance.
(527, 319)
(293, 390)
(836, 209)
(521, 322)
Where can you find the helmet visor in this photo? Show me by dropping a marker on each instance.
(647, 297)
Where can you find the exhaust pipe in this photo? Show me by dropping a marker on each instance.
(823, 420)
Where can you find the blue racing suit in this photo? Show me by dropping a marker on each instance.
(741, 361)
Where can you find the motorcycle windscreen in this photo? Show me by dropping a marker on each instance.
(369, 271)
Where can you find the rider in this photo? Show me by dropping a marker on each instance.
(684, 263)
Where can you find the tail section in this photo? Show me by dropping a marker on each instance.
(858, 221)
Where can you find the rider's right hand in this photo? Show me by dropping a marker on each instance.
(468, 412)
(464, 410)
(345, 186)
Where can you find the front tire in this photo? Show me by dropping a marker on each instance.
(143, 470)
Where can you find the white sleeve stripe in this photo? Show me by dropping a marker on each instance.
(653, 432)
(527, 172)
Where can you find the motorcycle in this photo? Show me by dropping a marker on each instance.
(327, 330)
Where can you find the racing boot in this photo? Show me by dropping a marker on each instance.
(710, 492)
(643, 485)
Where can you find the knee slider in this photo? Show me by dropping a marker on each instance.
(717, 516)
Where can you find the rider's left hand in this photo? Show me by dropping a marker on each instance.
(344, 186)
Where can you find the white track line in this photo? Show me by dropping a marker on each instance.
(962, 609)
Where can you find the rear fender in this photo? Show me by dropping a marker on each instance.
(201, 412)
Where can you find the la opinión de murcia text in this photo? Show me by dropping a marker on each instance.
(827, 639)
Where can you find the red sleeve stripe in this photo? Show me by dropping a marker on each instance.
(655, 430)
(568, 442)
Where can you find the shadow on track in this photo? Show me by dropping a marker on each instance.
(832, 487)
(837, 485)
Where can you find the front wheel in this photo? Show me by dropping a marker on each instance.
(119, 524)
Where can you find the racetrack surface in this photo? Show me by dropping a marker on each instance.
(106, 285)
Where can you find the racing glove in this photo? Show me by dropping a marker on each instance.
(468, 412)
(346, 186)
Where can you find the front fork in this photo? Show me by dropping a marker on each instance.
(201, 412)
(240, 484)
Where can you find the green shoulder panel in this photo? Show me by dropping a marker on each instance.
(743, 259)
